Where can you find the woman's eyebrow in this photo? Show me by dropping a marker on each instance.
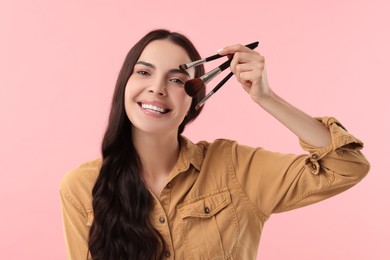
(180, 71)
(150, 65)
(146, 64)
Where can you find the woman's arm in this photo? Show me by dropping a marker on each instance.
(249, 69)
(277, 182)
(76, 205)
(74, 225)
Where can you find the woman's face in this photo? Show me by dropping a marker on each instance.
(155, 99)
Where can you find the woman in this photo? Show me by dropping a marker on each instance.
(156, 195)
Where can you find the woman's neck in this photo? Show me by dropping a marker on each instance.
(158, 153)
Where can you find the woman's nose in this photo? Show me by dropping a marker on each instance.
(158, 88)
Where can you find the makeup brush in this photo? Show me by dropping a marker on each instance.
(214, 57)
(212, 92)
(193, 86)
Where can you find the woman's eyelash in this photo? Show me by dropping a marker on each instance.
(147, 73)
(143, 72)
(178, 81)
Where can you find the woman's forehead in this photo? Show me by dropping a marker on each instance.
(165, 54)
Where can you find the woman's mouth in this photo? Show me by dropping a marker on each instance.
(153, 108)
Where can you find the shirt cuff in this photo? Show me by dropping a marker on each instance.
(341, 141)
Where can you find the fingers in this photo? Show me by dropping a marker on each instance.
(240, 58)
(249, 72)
(249, 68)
(233, 49)
(246, 64)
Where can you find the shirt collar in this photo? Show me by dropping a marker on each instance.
(190, 153)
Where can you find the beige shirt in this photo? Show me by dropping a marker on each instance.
(219, 195)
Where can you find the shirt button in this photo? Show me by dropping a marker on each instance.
(207, 210)
(167, 254)
(314, 156)
(169, 185)
(162, 220)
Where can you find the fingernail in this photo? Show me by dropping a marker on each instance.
(219, 50)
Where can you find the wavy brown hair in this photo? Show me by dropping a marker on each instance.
(121, 229)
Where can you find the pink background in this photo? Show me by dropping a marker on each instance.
(59, 61)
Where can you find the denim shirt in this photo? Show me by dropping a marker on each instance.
(219, 195)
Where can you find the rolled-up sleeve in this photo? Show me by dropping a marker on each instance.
(276, 182)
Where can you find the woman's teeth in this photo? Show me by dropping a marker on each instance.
(154, 109)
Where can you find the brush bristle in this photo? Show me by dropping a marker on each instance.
(193, 86)
(183, 66)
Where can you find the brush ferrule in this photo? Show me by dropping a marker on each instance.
(201, 103)
(195, 63)
(210, 75)
(206, 98)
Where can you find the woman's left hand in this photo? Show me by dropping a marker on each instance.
(249, 69)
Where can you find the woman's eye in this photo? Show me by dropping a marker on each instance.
(177, 81)
(143, 72)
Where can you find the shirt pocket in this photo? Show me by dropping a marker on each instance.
(209, 225)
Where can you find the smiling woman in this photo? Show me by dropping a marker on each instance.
(154, 194)
(157, 87)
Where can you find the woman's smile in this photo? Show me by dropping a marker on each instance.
(154, 108)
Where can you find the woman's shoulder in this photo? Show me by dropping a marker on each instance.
(209, 147)
(218, 145)
(80, 181)
(220, 142)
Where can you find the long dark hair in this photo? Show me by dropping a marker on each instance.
(121, 229)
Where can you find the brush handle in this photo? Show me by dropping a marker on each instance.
(226, 64)
(212, 92)
(220, 84)
(214, 57)
(213, 73)
(217, 56)
(217, 70)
